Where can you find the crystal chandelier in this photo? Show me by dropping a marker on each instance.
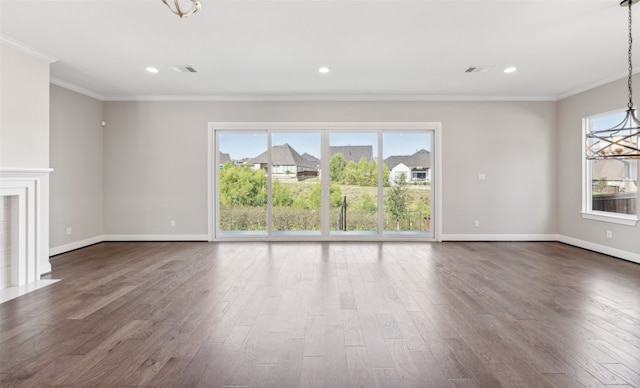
(620, 141)
(184, 8)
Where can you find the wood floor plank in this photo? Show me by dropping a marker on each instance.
(290, 363)
(352, 330)
(379, 356)
(335, 357)
(313, 372)
(315, 336)
(359, 367)
(404, 364)
(102, 302)
(334, 314)
(428, 369)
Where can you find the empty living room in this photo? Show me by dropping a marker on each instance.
(312, 193)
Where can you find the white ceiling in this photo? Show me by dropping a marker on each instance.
(385, 49)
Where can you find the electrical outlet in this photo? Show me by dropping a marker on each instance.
(609, 234)
(481, 177)
(69, 231)
(476, 223)
(173, 223)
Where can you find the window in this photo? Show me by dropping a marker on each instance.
(610, 185)
(303, 180)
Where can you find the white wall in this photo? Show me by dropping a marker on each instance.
(588, 233)
(24, 132)
(77, 180)
(156, 161)
(24, 109)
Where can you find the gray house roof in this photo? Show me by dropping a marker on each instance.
(284, 155)
(311, 159)
(224, 158)
(354, 153)
(421, 159)
(608, 169)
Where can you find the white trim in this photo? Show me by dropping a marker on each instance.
(615, 252)
(587, 180)
(30, 238)
(499, 237)
(26, 49)
(75, 245)
(211, 156)
(76, 88)
(125, 237)
(437, 181)
(19, 171)
(156, 237)
(612, 218)
(593, 85)
(6, 294)
(326, 98)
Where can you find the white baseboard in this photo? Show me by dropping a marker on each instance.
(156, 237)
(75, 245)
(126, 237)
(619, 253)
(630, 256)
(499, 237)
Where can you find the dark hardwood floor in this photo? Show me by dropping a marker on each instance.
(327, 314)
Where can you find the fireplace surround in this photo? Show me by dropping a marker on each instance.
(27, 191)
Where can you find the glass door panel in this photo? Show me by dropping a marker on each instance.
(323, 183)
(295, 183)
(353, 183)
(242, 184)
(407, 192)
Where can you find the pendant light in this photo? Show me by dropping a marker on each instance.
(185, 8)
(620, 141)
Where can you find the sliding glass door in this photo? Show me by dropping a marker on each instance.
(295, 183)
(242, 184)
(408, 161)
(353, 183)
(317, 183)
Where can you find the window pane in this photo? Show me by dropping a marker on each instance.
(614, 185)
(614, 182)
(242, 183)
(353, 181)
(407, 191)
(295, 181)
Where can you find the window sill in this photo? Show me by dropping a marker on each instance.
(621, 219)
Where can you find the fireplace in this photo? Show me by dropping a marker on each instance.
(25, 226)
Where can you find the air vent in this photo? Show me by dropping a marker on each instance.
(183, 68)
(477, 69)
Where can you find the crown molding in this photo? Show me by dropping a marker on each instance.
(76, 88)
(594, 85)
(27, 50)
(324, 98)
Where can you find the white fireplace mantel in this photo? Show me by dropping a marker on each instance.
(28, 189)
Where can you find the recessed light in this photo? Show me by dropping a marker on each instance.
(152, 70)
(510, 69)
(324, 70)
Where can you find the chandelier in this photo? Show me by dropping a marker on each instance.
(620, 141)
(185, 8)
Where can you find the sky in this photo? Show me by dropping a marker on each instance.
(250, 145)
(607, 121)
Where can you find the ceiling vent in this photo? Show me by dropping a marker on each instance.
(477, 69)
(183, 68)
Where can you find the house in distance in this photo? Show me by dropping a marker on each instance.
(416, 168)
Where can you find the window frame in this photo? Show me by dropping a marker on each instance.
(587, 181)
(325, 128)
